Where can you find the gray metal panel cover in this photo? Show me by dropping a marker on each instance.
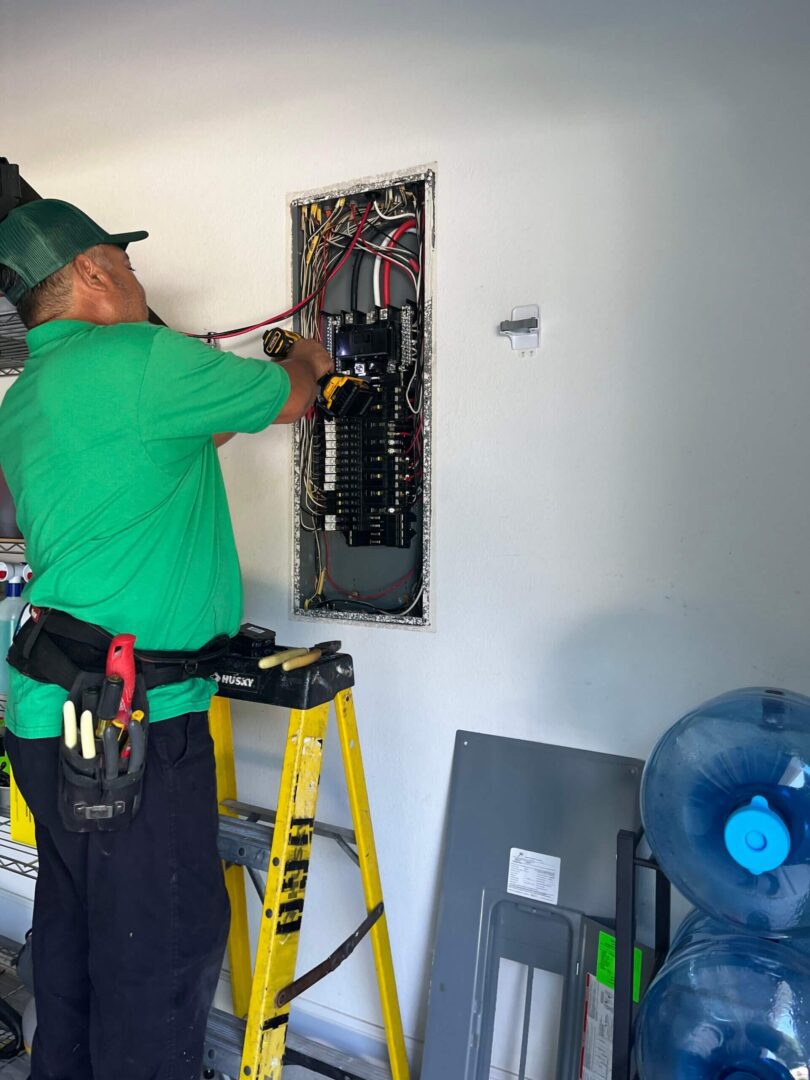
(509, 793)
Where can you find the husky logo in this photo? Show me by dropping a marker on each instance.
(242, 682)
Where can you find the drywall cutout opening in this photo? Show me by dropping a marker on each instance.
(527, 1023)
(362, 472)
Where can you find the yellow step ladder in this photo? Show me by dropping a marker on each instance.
(258, 1032)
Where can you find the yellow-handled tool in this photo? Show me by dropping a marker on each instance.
(311, 656)
(276, 659)
(71, 726)
(86, 734)
(293, 659)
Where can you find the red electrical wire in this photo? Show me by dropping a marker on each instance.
(399, 232)
(218, 336)
(325, 247)
(416, 434)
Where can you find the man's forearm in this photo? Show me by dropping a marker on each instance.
(220, 440)
(307, 363)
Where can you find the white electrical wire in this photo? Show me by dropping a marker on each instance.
(415, 410)
(392, 256)
(413, 604)
(391, 217)
(386, 244)
(395, 254)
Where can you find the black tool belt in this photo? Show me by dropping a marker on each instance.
(53, 647)
(101, 793)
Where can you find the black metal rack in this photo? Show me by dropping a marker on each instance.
(628, 862)
(13, 349)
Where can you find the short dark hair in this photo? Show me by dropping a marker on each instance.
(42, 302)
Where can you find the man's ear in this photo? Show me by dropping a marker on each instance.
(91, 274)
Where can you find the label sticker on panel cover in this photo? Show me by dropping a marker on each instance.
(534, 875)
(596, 1062)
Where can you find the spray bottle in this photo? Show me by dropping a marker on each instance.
(10, 610)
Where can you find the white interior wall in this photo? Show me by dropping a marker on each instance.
(621, 522)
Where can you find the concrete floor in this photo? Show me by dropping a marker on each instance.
(12, 991)
(20, 1067)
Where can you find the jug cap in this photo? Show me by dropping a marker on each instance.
(757, 837)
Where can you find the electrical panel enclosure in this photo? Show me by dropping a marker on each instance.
(362, 274)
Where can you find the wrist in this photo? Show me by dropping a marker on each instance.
(315, 356)
(319, 366)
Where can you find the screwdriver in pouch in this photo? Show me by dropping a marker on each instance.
(86, 733)
(137, 745)
(109, 702)
(90, 700)
(109, 743)
(121, 663)
(71, 727)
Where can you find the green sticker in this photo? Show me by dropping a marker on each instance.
(606, 964)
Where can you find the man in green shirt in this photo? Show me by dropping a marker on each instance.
(108, 443)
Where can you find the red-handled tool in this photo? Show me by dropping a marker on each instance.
(121, 662)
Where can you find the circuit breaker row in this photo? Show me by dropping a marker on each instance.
(363, 464)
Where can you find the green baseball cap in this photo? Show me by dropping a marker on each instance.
(41, 237)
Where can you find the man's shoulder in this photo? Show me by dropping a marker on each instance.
(136, 333)
(144, 333)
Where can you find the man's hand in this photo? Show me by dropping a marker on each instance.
(307, 363)
(312, 353)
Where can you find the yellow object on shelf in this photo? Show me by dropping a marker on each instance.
(22, 820)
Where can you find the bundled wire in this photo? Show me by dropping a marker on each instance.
(219, 335)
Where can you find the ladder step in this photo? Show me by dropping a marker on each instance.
(246, 843)
(224, 1039)
(225, 1035)
(363, 1070)
(262, 813)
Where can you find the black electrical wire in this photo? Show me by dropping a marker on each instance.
(358, 261)
(335, 606)
(356, 264)
(333, 601)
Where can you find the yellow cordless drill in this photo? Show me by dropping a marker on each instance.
(340, 395)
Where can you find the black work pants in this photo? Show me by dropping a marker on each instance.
(129, 927)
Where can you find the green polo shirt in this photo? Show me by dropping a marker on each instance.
(106, 444)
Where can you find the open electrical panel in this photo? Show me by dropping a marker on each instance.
(362, 469)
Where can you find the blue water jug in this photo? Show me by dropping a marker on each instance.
(725, 800)
(727, 1005)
